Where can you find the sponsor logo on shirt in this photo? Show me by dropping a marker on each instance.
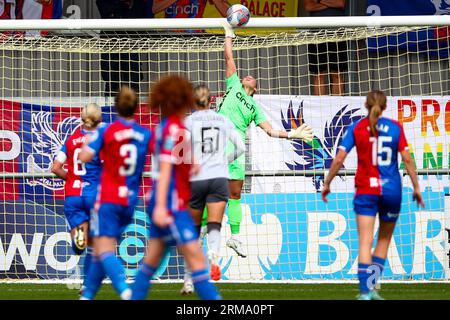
(241, 97)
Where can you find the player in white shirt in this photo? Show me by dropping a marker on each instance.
(210, 133)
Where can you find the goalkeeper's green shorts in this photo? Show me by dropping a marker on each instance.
(236, 169)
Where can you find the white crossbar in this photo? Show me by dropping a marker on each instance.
(214, 23)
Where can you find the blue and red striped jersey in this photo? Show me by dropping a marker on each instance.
(377, 171)
(124, 145)
(171, 144)
(82, 178)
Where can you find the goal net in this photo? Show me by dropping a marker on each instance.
(287, 231)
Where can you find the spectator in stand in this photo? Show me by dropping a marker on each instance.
(327, 59)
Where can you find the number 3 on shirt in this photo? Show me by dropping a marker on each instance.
(381, 153)
(129, 154)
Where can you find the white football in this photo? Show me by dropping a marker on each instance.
(238, 15)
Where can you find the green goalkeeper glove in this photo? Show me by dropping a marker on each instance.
(304, 132)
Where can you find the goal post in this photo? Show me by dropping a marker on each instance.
(216, 23)
(288, 232)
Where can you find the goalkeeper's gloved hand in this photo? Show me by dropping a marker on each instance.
(229, 32)
(303, 132)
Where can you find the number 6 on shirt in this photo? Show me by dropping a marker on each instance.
(79, 168)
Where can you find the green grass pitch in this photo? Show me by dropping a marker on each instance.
(413, 291)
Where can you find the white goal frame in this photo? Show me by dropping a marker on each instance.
(216, 23)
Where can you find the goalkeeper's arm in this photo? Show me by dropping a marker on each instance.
(304, 132)
(230, 65)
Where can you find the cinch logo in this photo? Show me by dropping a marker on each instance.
(190, 10)
(45, 146)
(442, 6)
(318, 154)
(241, 98)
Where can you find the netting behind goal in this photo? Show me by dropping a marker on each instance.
(288, 232)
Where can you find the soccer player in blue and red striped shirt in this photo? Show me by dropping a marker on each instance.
(378, 184)
(171, 221)
(81, 181)
(124, 144)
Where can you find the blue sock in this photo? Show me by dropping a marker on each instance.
(363, 276)
(87, 261)
(93, 279)
(205, 290)
(378, 266)
(115, 271)
(141, 283)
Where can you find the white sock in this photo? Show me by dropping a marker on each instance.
(187, 273)
(214, 241)
(126, 294)
(235, 237)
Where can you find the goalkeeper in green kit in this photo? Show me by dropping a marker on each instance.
(239, 106)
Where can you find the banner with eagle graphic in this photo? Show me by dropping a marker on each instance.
(289, 232)
(32, 134)
(426, 121)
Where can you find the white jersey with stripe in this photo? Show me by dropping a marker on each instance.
(210, 133)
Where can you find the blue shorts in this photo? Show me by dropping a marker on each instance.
(110, 220)
(388, 206)
(180, 232)
(77, 209)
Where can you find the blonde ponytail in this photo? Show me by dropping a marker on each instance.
(374, 114)
(91, 115)
(376, 103)
(202, 96)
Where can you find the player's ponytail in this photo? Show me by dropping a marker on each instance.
(91, 115)
(376, 104)
(126, 102)
(202, 96)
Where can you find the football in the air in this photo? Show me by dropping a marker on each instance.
(238, 15)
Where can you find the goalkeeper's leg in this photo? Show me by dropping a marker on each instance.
(204, 222)
(235, 216)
